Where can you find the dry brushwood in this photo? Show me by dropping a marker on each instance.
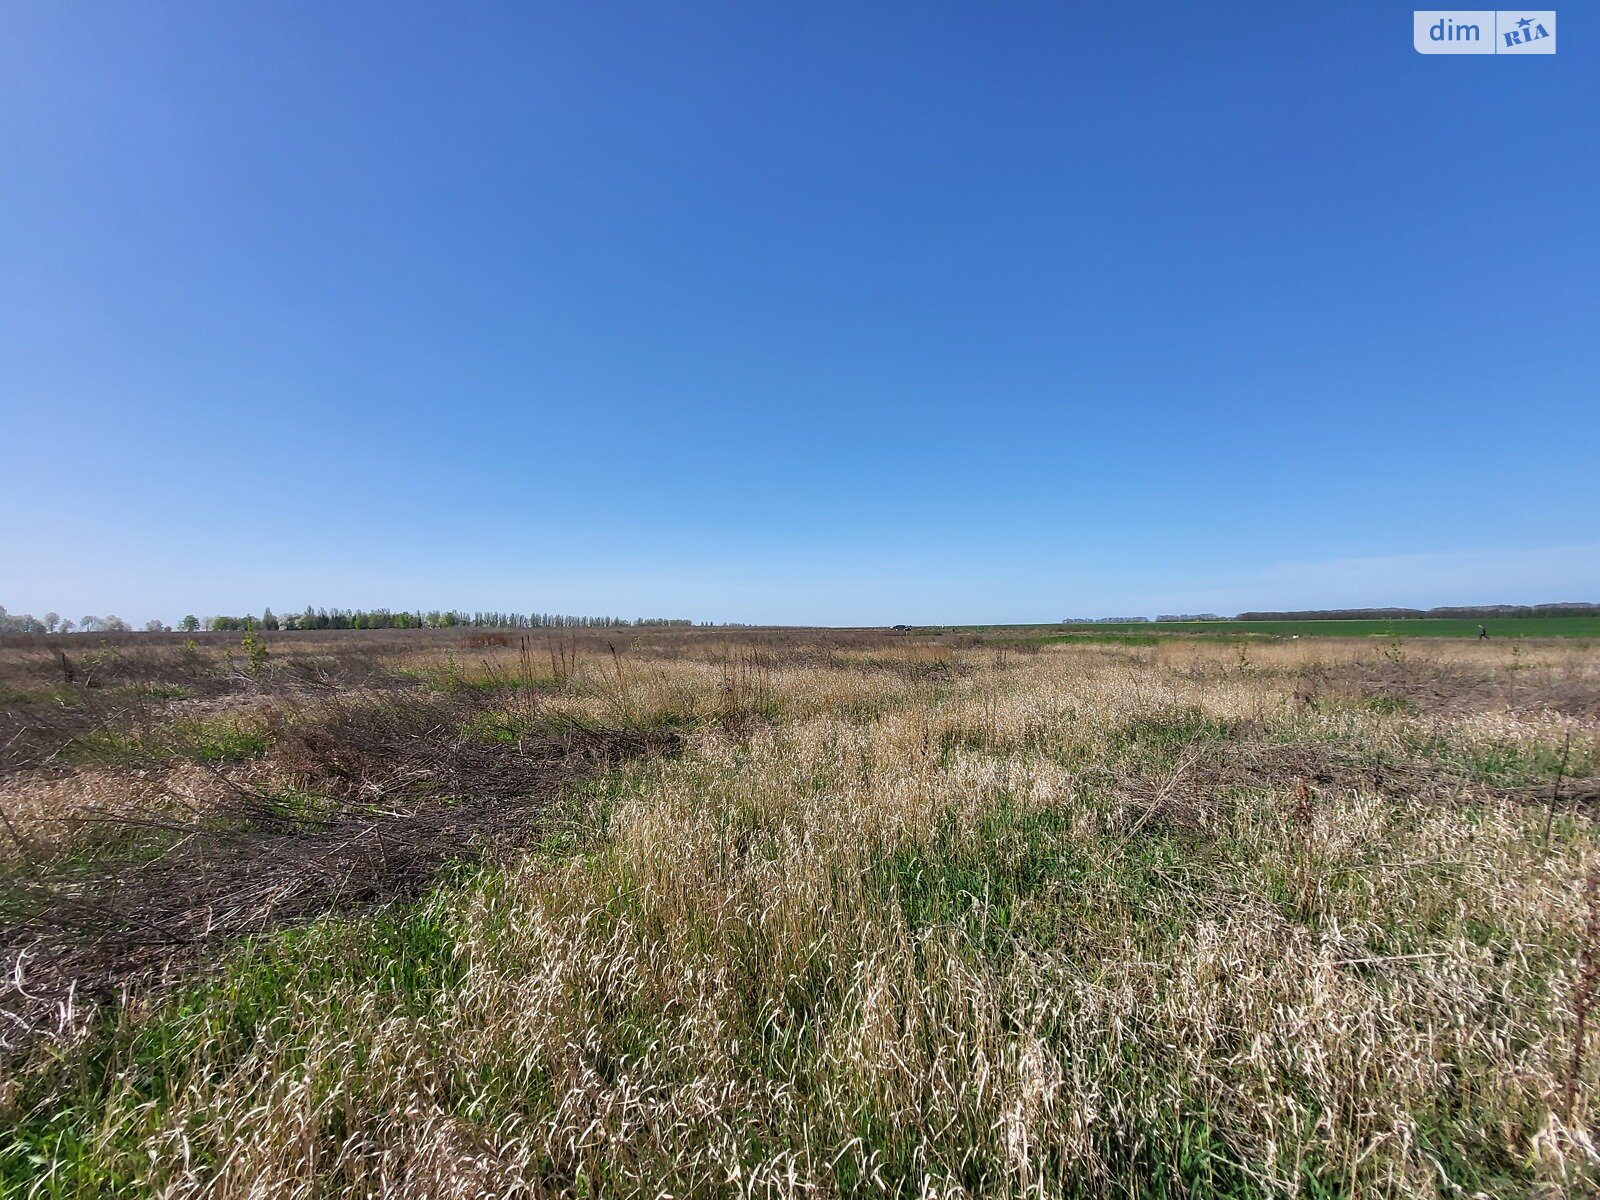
(407, 793)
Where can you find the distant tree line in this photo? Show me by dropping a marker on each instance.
(1458, 612)
(55, 623)
(1145, 620)
(336, 618)
(383, 618)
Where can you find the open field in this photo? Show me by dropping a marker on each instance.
(1420, 627)
(785, 913)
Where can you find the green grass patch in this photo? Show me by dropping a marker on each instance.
(206, 739)
(1024, 883)
(77, 1121)
(1113, 639)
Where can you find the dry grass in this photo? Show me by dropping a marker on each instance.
(898, 919)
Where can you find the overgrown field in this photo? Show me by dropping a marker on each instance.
(1415, 627)
(784, 914)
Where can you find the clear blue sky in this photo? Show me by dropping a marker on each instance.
(822, 313)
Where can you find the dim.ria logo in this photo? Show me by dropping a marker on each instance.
(1484, 31)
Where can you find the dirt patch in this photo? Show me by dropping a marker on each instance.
(400, 793)
(1459, 688)
(1184, 798)
(56, 692)
(1327, 767)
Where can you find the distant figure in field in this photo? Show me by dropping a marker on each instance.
(1483, 634)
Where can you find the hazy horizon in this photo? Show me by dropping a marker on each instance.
(1368, 583)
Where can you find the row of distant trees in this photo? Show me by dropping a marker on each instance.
(56, 623)
(1146, 620)
(333, 618)
(383, 618)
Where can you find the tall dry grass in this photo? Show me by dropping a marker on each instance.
(1187, 919)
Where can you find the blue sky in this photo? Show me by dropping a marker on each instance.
(820, 313)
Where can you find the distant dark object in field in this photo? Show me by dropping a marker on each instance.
(902, 629)
(1483, 634)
